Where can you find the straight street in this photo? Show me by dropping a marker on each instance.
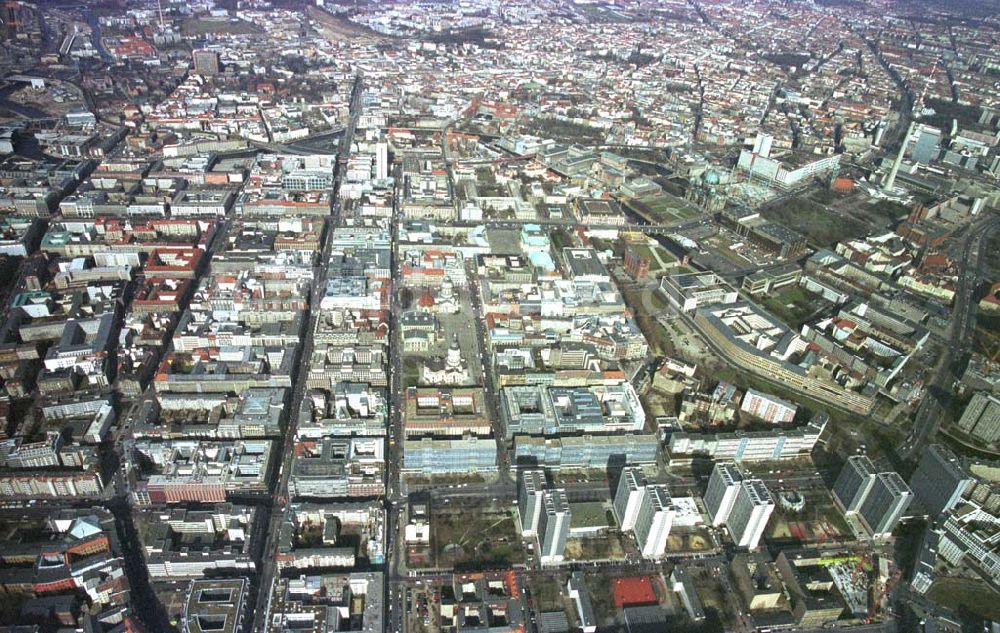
(278, 501)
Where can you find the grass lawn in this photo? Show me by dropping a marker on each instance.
(411, 371)
(974, 595)
(991, 251)
(655, 255)
(560, 239)
(485, 177)
(195, 26)
(659, 339)
(547, 594)
(986, 338)
(713, 596)
(475, 539)
(666, 208)
(563, 129)
(686, 213)
(644, 306)
(588, 513)
(647, 252)
(835, 519)
(793, 305)
(601, 599)
(666, 256)
(602, 13)
(661, 203)
(813, 221)
(656, 404)
(888, 210)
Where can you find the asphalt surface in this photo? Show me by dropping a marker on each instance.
(267, 568)
(963, 323)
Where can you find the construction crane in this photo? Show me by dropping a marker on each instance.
(863, 561)
(890, 584)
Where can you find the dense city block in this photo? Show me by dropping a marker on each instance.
(496, 316)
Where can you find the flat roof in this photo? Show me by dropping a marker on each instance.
(633, 591)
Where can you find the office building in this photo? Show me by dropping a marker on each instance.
(748, 446)
(786, 170)
(854, 482)
(751, 510)
(197, 471)
(981, 418)
(636, 265)
(215, 604)
(584, 451)
(551, 410)
(529, 500)
(221, 534)
(690, 291)
(723, 486)
(884, 504)
(653, 521)
(433, 456)
(753, 340)
(338, 467)
(206, 62)
(584, 265)
(645, 619)
(628, 498)
(939, 481)
(553, 526)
